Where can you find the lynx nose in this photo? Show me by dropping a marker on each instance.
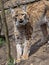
(21, 21)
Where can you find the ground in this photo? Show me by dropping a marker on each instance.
(39, 54)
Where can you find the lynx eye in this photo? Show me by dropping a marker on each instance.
(15, 19)
(22, 14)
(16, 15)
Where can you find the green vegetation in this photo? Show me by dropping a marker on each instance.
(11, 62)
(2, 41)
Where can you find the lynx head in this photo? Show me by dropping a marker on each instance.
(21, 17)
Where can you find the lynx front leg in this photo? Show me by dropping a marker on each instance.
(26, 50)
(19, 52)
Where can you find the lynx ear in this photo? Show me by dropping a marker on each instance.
(12, 12)
(27, 15)
(23, 7)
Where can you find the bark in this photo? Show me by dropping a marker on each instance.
(0, 25)
(5, 27)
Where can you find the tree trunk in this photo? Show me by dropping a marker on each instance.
(0, 24)
(5, 27)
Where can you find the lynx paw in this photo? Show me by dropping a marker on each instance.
(18, 60)
(25, 57)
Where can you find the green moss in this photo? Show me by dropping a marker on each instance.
(11, 62)
(1, 41)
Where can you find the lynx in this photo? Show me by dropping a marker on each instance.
(23, 29)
